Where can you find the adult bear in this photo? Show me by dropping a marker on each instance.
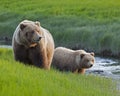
(32, 44)
(78, 61)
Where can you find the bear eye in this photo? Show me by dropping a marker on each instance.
(32, 32)
(87, 60)
(92, 60)
(26, 34)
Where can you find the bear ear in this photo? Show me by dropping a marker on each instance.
(92, 53)
(82, 55)
(37, 23)
(22, 26)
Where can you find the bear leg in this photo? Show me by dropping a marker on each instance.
(49, 57)
(38, 58)
(75, 71)
(21, 56)
(81, 71)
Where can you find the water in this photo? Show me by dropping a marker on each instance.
(106, 67)
(5, 46)
(5, 42)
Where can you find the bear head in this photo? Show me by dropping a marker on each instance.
(30, 32)
(87, 60)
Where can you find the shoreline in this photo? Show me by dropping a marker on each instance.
(6, 42)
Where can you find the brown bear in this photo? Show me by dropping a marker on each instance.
(32, 44)
(70, 60)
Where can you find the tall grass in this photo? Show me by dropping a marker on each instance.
(22, 80)
(89, 24)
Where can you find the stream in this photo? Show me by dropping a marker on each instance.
(107, 67)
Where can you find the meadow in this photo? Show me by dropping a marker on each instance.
(92, 25)
(89, 24)
(17, 79)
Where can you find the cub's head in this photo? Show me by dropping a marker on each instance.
(87, 60)
(30, 33)
(84, 59)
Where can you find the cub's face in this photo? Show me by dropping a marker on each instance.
(30, 32)
(87, 60)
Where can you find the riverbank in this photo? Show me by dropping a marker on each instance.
(92, 26)
(105, 53)
(18, 79)
(104, 66)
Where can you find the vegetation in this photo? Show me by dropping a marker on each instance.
(89, 24)
(17, 79)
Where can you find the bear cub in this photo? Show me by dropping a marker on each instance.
(75, 61)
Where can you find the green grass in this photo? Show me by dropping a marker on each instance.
(89, 24)
(17, 79)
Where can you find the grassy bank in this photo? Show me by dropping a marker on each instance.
(89, 24)
(16, 79)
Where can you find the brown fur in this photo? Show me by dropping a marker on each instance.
(33, 44)
(75, 61)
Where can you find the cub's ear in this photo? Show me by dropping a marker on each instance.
(82, 55)
(37, 23)
(92, 53)
(22, 26)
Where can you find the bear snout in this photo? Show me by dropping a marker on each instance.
(91, 65)
(37, 38)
